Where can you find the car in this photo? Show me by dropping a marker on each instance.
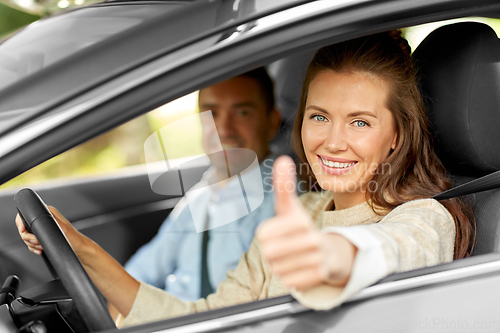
(92, 71)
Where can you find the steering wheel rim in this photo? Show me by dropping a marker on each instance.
(39, 221)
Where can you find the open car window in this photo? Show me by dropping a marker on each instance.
(113, 151)
(122, 147)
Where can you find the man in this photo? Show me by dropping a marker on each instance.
(190, 264)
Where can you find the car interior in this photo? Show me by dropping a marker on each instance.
(460, 77)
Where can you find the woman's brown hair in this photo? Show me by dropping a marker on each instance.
(415, 170)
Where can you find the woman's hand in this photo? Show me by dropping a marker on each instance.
(78, 241)
(297, 252)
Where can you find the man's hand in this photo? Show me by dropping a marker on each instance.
(297, 252)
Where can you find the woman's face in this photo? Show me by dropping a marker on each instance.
(347, 131)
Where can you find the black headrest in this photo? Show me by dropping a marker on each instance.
(288, 74)
(459, 68)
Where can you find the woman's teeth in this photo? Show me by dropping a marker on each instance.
(332, 164)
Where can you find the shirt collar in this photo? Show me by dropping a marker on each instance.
(266, 171)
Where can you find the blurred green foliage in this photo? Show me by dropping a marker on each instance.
(12, 19)
(121, 147)
(179, 141)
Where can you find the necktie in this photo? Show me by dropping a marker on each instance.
(206, 288)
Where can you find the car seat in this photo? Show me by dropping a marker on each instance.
(288, 74)
(459, 69)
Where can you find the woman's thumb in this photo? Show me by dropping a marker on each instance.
(285, 185)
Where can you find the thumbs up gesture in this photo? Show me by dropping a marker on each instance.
(296, 251)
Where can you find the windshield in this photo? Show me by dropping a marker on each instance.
(47, 41)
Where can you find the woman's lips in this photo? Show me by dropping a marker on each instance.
(336, 166)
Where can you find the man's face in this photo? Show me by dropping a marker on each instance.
(240, 115)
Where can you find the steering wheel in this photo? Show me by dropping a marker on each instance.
(38, 220)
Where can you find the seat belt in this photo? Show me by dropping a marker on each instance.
(481, 184)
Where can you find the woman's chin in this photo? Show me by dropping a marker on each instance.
(338, 186)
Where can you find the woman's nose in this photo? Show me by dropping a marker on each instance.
(336, 140)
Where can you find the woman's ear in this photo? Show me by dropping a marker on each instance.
(394, 141)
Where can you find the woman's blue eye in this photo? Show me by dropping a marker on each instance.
(319, 117)
(360, 123)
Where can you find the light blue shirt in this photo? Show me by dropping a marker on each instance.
(172, 259)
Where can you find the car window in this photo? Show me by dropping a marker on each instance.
(124, 146)
(416, 34)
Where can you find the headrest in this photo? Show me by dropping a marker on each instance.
(459, 68)
(288, 74)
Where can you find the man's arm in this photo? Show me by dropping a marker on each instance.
(154, 261)
(248, 282)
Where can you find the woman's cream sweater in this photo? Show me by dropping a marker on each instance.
(413, 235)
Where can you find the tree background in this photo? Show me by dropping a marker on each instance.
(116, 149)
(15, 14)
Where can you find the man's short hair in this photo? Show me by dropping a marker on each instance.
(266, 85)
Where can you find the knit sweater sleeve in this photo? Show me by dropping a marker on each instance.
(416, 234)
(242, 285)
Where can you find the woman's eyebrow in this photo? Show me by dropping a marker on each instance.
(350, 115)
(362, 113)
(317, 108)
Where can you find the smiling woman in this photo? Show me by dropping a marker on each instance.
(361, 105)
(362, 132)
(346, 137)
